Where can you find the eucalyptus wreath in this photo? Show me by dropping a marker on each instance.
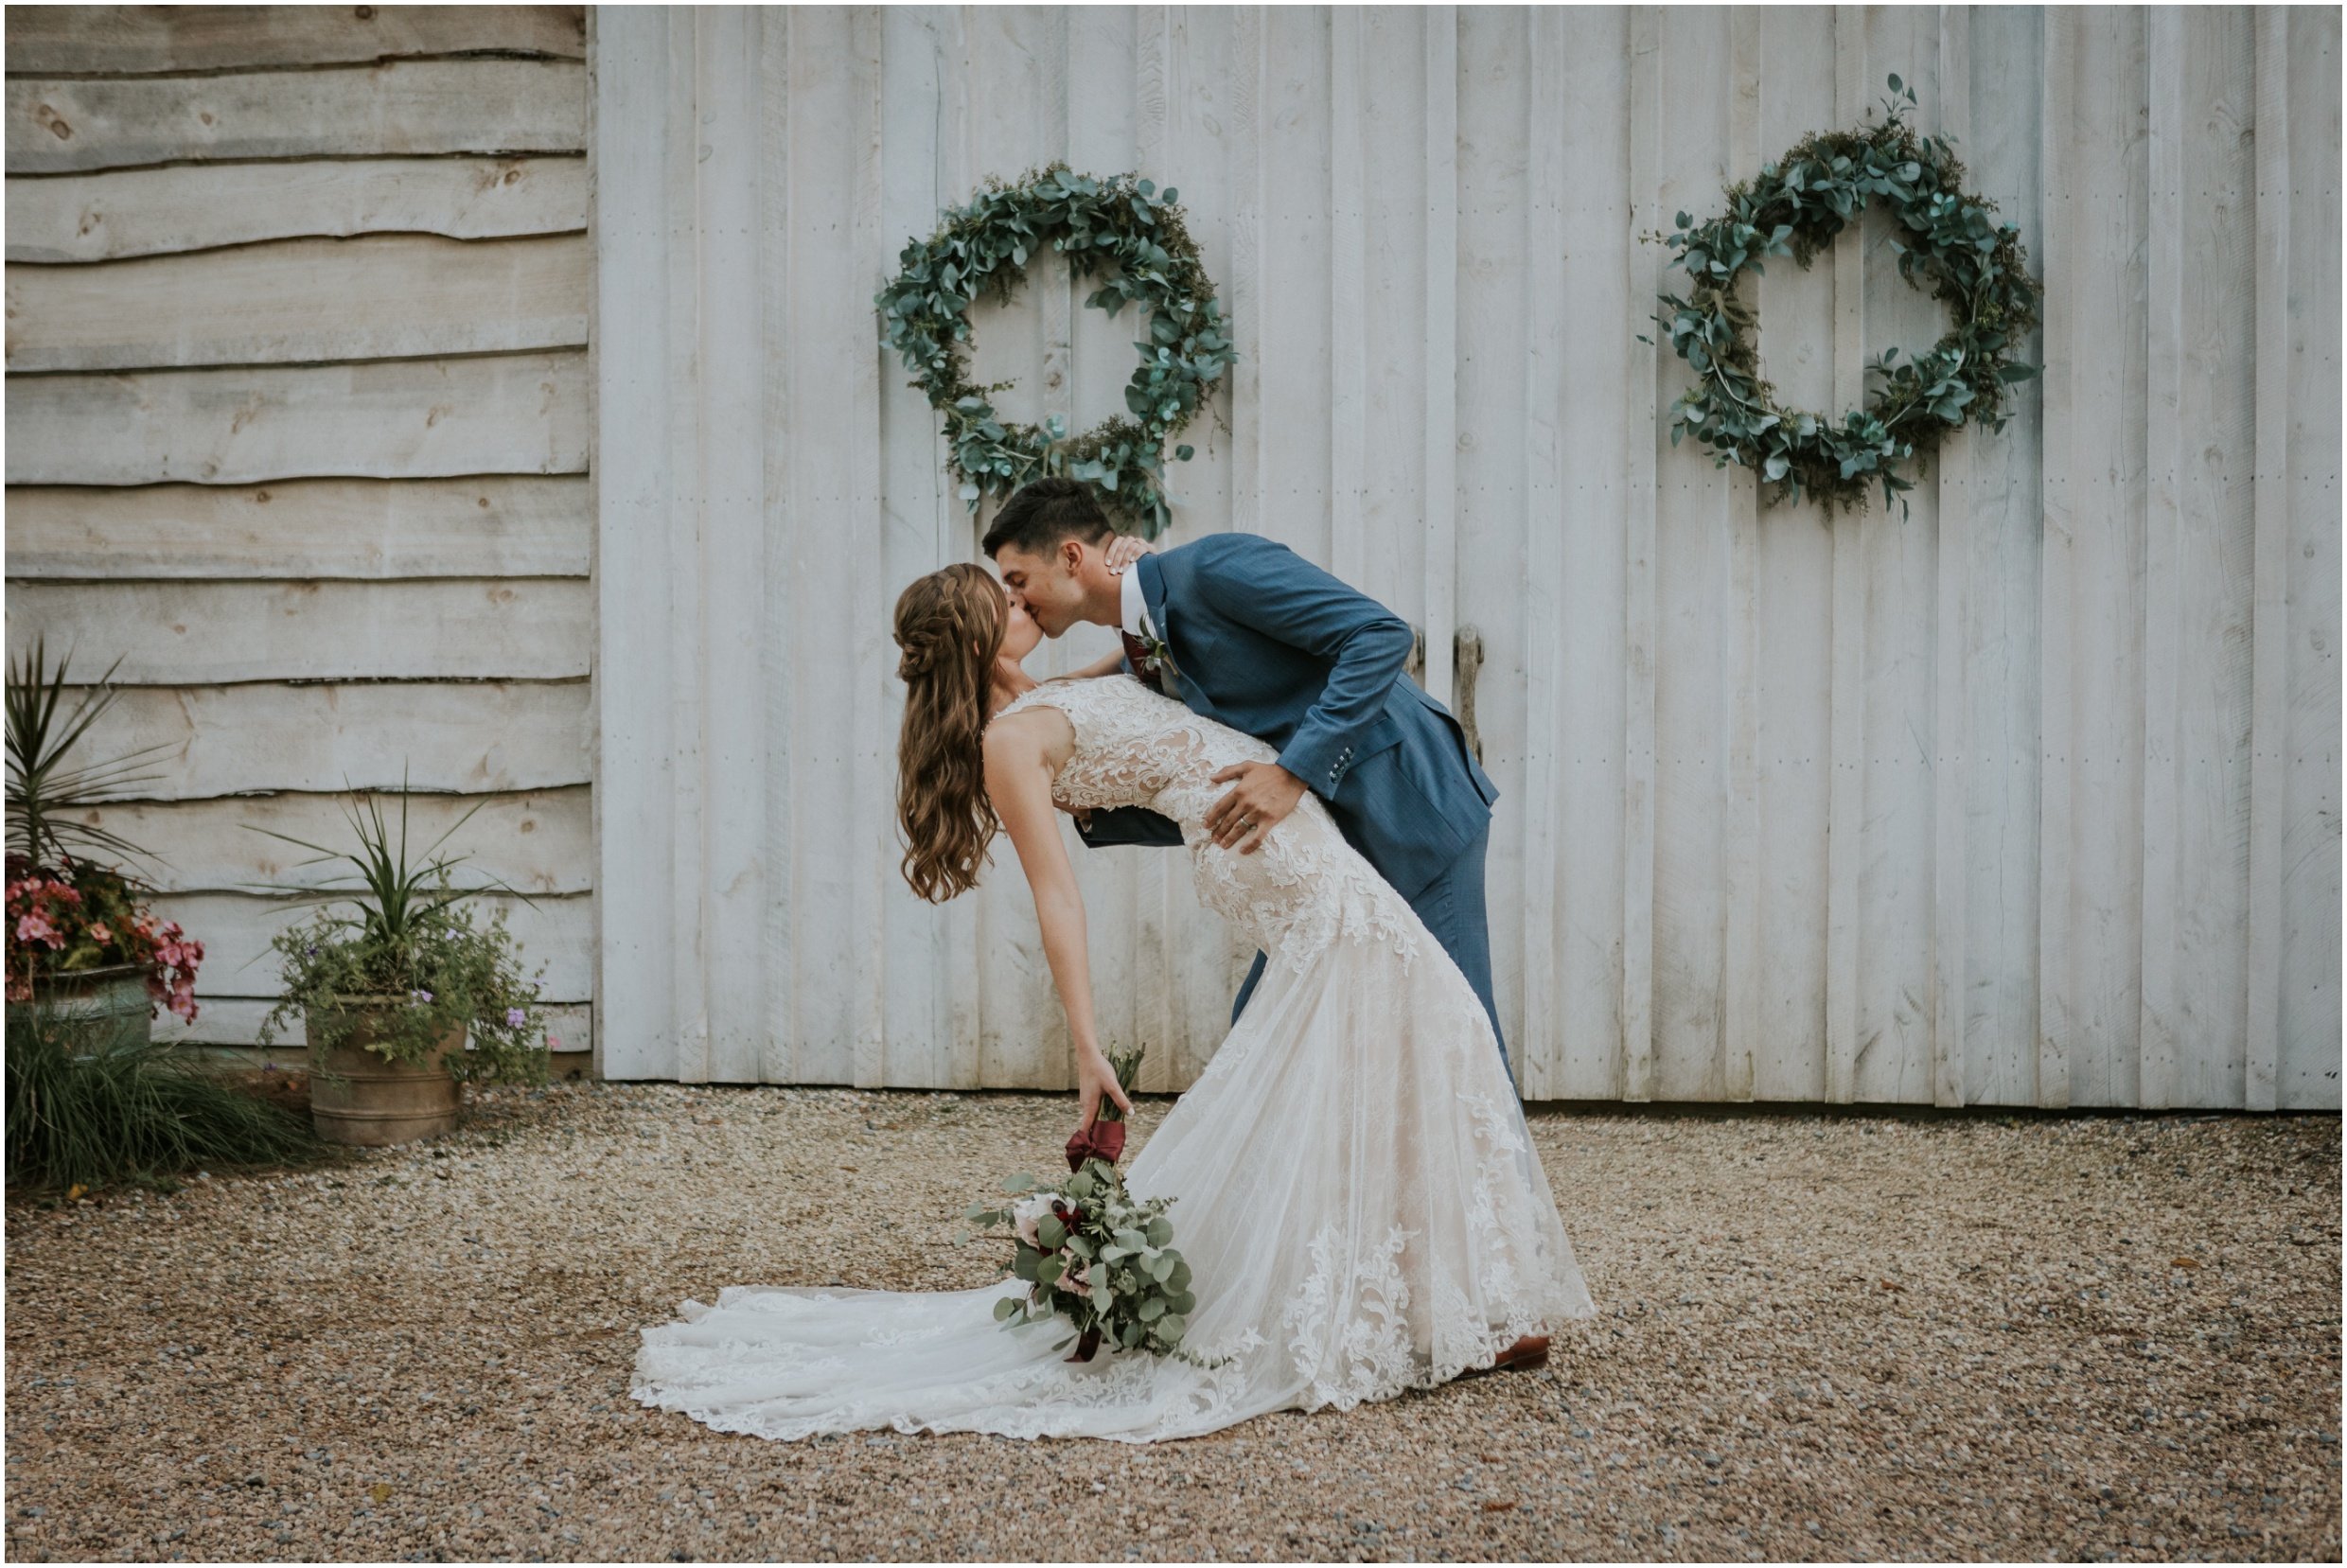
(1121, 222)
(1796, 208)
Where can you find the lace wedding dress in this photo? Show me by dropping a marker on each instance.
(1356, 1194)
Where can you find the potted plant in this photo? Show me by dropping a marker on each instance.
(81, 939)
(406, 1001)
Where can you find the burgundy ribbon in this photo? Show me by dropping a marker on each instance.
(1102, 1141)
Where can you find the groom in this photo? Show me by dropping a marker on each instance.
(1249, 633)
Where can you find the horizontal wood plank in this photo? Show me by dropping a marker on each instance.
(467, 736)
(134, 212)
(224, 1021)
(495, 525)
(510, 106)
(537, 841)
(127, 38)
(389, 419)
(236, 1022)
(303, 301)
(236, 928)
(421, 628)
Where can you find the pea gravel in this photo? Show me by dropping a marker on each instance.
(1819, 1338)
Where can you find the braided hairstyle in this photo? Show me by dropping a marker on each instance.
(949, 626)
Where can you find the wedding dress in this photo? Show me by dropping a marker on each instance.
(1355, 1190)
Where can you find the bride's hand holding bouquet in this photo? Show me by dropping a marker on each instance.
(1100, 1127)
(1091, 1252)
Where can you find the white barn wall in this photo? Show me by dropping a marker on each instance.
(2028, 797)
(298, 426)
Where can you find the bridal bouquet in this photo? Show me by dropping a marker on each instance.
(1092, 1253)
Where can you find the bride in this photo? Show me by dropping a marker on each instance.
(1355, 1188)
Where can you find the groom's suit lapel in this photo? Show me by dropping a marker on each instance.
(1152, 594)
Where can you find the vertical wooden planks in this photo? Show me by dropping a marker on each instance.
(641, 752)
(2004, 507)
(2109, 428)
(818, 504)
(2155, 1071)
(1896, 875)
(2307, 1022)
(732, 652)
(969, 926)
(1158, 938)
(1441, 623)
(2055, 224)
(1092, 92)
(1740, 685)
(1604, 409)
(1494, 194)
(688, 534)
(1793, 607)
(2269, 653)
(1533, 1047)
(1391, 488)
(1010, 123)
(921, 529)
(1845, 811)
(1348, 270)
(1950, 667)
(1926, 729)
(1292, 143)
(1217, 92)
(1693, 508)
(849, 342)
(1641, 453)
(2214, 376)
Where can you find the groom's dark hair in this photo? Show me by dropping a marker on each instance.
(1044, 511)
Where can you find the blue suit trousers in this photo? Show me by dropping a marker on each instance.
(1454, 910)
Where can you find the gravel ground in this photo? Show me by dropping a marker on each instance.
(1820, 1337)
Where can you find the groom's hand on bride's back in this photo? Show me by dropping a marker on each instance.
(1262, 795)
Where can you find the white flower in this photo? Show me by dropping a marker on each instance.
(1027, 1215)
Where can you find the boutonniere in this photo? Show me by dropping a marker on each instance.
(1159, 655)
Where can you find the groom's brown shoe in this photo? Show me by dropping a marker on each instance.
(1524, 1354)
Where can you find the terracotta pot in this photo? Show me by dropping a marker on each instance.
(113, 997)
(356, 1097)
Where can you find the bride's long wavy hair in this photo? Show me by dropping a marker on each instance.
(949, 626)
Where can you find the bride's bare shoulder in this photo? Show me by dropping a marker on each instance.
(1032, 731)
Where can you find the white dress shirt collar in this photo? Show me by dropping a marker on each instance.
(1135, 608)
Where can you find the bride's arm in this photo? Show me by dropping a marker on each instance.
(1019, 781)
(1107, 665)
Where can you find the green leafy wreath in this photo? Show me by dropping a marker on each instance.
(1122, 222)
(1796, 208)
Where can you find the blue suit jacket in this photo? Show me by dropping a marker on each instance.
(1268, 643)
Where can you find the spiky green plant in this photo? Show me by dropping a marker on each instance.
(410, 942)
(41, 787)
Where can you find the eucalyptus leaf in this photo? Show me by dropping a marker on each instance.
(1797, 207)
(1120, 226)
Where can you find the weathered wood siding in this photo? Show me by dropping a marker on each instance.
(2030, 797)
(298, 426)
